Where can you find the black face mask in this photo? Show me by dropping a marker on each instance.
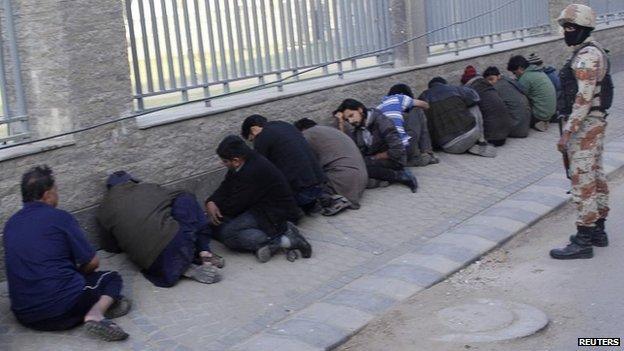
(578, 35)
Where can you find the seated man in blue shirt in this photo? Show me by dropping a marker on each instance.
(51, 268)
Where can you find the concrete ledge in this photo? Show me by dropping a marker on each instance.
(325, 325)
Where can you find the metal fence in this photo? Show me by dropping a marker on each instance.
(185, 49)
(608, 10)
(514, 20)
(13, 119)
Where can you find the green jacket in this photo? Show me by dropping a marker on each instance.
(540, 91)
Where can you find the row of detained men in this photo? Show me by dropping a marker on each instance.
(52, 269)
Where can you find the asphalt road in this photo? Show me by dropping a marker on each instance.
(582, 298)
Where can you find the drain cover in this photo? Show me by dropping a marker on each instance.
(485, 320)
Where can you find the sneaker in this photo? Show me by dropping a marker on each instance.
(297, 241)
(541, 126)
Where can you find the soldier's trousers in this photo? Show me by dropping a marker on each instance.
(590, 191)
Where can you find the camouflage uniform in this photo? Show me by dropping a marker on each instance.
(590, 191)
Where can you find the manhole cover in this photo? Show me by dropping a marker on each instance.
(487, 320)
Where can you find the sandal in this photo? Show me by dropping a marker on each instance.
(203, 273)
(106, 330)
(119, 308)
(339, 204)
(214, 260)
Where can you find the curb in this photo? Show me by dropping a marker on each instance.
(330, 322)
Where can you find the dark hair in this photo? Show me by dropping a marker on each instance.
(252, 121)
(233, 146)
(36, 182)
(516, 62)
(491, 71)
(437, 80)
(401, 89)
(304, 123)
(350, 104)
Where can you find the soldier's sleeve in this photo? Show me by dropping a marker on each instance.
(587, 67)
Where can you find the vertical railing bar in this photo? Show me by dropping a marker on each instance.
(323, 32)
(6, 109)
(265, 34)
(148, 64)
(287, 62)
(300, 35)
(346, 27)
(367, 24)
(189, 42)
(354, 33)
(306, 31)
(172, 79)
(133, 48)
(293, 42)
(200, 47)
(278, 65)
(315, 38)
(225, 76)
(176, 24)
(331, 52)
(230, 39)
(159, 68)
(239, 40)
(338, 52)
(250, 52)
(211, 42)
(259, 62)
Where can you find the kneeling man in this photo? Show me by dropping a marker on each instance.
(252, 207)
(162, 231)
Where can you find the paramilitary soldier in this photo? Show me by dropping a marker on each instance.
(587, 94)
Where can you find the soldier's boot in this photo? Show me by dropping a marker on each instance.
(580, 247)
(599, 236)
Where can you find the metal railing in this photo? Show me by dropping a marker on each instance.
(13, 119)
(608, 10)
(515, 20)
(186, 49)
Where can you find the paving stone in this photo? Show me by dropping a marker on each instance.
(516, 214)
(317, 334)
(437, 263)
(453, 252)
(545, 199)
(390, 287)
(420, 276)
(527, 205)
(362, 300)
(490, 233)
(345, 318)
(497, 222)
(470, 242)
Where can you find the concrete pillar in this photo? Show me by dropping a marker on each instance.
(74, 63)
(408, 19)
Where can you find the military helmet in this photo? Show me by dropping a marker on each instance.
(581, 15)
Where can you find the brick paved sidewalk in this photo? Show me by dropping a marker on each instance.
(253, 297)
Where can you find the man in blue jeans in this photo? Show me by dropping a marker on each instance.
(51, 268)
(251, 209)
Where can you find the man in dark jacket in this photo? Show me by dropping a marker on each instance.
(455, 122)
(251, 209)
(496, 117)
(514, 98)
(378, 141)
(163, 231)
(282, 144)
